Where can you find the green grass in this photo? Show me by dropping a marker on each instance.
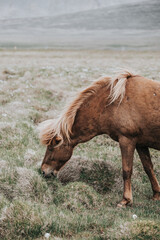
(81, 203)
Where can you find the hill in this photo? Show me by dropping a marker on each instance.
(124, 25)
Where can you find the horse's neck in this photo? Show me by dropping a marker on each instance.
(90, 119)
(86, 126)
(81, 138)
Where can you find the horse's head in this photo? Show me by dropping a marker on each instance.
(57, 154)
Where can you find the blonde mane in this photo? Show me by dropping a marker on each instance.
(62, 126)
(118, 86)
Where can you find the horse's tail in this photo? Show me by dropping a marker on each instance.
(118, 86)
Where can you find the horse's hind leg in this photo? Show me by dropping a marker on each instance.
(148, 167)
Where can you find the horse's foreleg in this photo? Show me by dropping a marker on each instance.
(127, 147)
(148, 167)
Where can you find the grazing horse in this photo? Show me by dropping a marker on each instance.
(127, 108)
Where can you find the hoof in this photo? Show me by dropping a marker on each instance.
(120, 205)
(124, 203)
(156, 197)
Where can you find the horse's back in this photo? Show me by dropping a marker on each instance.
(143, 97)
(138, 115)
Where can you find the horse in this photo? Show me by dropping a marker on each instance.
(126, 108)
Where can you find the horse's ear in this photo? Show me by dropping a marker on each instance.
(56, 140)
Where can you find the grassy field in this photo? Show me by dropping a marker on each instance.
(81, 204)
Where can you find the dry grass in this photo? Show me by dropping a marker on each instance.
(81, 203)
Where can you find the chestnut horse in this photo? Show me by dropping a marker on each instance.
(127, 108)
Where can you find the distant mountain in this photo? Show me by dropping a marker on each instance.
(120, 25)
(128, 16)
(39, 8)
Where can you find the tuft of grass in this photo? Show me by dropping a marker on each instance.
(3, 202)
(21, 220)
(140, 229)
(46, 99)
(8, 178)
(31, 185)
(24, 183)
(99, 174)
(77, 197)
(36, 117)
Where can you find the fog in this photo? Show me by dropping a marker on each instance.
(80, 24)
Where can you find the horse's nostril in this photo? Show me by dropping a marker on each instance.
(43, 172)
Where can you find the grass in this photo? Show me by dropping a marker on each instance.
(81, 202)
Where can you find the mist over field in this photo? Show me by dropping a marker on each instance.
(119, 24)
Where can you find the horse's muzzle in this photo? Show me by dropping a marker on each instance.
(48, 175)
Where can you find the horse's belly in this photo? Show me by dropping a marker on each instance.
(151, 140)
